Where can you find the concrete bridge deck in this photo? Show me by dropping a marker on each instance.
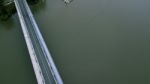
(44, 67)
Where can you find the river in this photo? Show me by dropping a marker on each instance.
(91, 41)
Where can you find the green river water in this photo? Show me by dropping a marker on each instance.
(91, 41)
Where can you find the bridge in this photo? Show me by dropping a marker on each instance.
(43, 64)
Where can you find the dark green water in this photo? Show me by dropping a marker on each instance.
(92, 42)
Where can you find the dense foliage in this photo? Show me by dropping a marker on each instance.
(31, 2)
(8, 10)
(1, 2)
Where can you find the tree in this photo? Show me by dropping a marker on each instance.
(32, 2)
(1, 2)
(6, 11)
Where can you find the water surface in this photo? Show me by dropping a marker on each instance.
(91, 41)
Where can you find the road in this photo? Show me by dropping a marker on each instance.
(44, 67)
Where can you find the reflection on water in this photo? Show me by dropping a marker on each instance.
(8, 24)
(91, 41)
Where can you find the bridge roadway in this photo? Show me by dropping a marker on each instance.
(43, 65)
